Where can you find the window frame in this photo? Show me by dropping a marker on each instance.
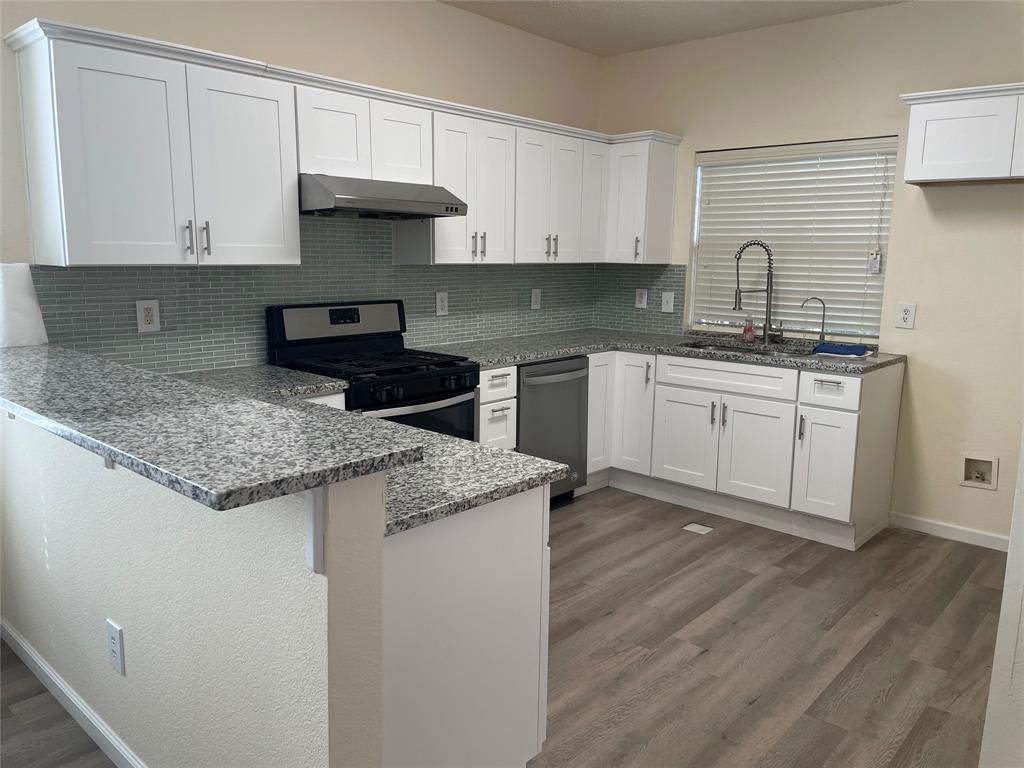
(888, 143)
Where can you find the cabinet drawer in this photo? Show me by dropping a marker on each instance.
(497, 424)
(830, 391)
(497, 384)
(740, 378)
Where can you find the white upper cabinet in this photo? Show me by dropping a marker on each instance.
(826, 449)
(641, 202)
(1017, 167)
(533, 196)
(125, 161)
(755, 456)
(333, 132)
(594, 212)
(566, 197)
(970, 133)
(401, 145)
(633, 412)
(495, 200)
(244, 168)
(455, 169)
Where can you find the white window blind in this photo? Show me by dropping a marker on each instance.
(822, 208)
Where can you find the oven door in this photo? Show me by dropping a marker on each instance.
(455, 416)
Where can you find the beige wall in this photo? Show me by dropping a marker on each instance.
(420, 47)
(958, 251)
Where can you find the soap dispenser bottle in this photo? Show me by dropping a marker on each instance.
(748, 331)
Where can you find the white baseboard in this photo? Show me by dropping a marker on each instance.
(950, 531)
(97, 728)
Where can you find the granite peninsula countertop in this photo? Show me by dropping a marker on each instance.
(218, 448)
(515, 350)
(454, 476)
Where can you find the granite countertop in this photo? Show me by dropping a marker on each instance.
(515, 350)
(219, 448)
(454, 476)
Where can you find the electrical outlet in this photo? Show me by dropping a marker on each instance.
(115, 646)
(535, 298)
(668, 301)
(147, 315)
(641, 298)
(441, 303)
(906, 315)
(875, 261)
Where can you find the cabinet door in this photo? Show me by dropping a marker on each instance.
(633, 412)
(566, 198)
(627, 202)
(1017, 169)
(600, 391)
(594, 214)
(495, 192)
(755, 455)
(244, 167)
(455, 158)
(333, 132)
(533, 196)
(826, 447)
(126, 166)
(967, 139)
(400, 143)
(685, 447)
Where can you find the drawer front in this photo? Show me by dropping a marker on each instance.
(497, 424)
(739, 378)
(497, 384)
(830, 391)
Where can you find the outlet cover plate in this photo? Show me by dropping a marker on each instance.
(668, 301)
(906, 315)
(115, 646)
(535, 298)
(641, 298)
(147, 315)
(441, 303)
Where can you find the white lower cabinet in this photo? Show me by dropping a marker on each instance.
(755, 457)
(497, 424)
(633, 412)
(686, 436)
(826, 448)
(600, 407)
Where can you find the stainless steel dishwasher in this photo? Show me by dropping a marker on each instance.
(553, 416)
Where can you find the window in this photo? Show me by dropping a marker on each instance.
(823, 209)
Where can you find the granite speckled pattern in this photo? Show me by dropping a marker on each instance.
(454, 476)
(220, 449)
(515, 350)
(263, 381)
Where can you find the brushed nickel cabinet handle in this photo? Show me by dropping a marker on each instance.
(800, 430)
(647, 375)
(556, 247)
(190, 249)
(725, 410)
(713, 404)
(547, 251)
(636, 248)
(474, 246)
(483, 245)
(502, 409)
(208, 248)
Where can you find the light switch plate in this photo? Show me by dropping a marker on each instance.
(641, 298)
(441, 303)
(147, 315)
(535, 298)
(906, 315)
(668, 301)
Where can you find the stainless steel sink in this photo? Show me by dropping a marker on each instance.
(711, 347)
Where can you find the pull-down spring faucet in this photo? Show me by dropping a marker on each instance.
(767, 290)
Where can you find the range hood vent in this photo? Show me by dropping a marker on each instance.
(369, 198)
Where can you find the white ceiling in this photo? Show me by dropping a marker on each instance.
(610, 27)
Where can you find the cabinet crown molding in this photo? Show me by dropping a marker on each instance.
(36, 29)
(958, 94)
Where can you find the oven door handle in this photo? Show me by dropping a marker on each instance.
(408, 410)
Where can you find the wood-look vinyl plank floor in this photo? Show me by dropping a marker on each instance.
(742, 648)
(747, 648)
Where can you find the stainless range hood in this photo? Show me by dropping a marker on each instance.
(369, 198)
